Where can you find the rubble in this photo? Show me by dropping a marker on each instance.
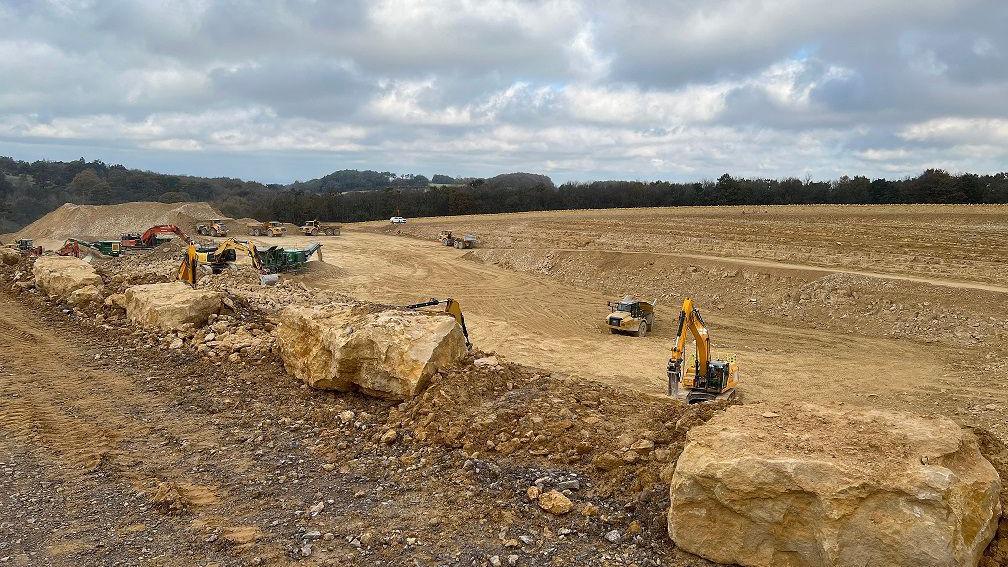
(833, 487)
(390, 354)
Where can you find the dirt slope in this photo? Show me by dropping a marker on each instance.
(109, 221)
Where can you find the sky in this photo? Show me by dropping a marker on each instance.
(577, 90)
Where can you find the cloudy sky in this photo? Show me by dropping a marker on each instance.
(672, 89)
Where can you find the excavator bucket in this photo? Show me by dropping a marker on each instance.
(187, 271)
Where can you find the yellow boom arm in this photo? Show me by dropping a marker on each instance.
(691, 321)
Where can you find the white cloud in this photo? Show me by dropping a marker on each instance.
(578, 88)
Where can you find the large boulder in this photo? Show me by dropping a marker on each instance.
(10, 256)
(171, 305)
(59, 276)
(390, 354)
(807, 485)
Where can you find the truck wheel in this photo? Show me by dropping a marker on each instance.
(642, 330)
(612, 331)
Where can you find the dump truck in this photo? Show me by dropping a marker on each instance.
(271, 228)
(214, 227)
(467, 241)
(448, 239)
(314, 228)
(631, 315)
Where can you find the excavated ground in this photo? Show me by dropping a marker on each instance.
(203, 458)
(122, 450)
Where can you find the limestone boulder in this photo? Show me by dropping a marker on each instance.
(811, 486)
(59, 276)
(391, 354)
(84, 296)
(10, 256)
(170, 306)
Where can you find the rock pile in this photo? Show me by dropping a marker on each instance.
(390, 354)
(815, 486)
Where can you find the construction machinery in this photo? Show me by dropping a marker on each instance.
(631, 315)
(188, 269)
(216, 257)
(152, 237)
(314, 228)
(213, 227)
(451, 307)
(277, 260)
(27, 246)
(710, 379)
(219, 256)
(72, 247)
(448, 239)
(271, 228)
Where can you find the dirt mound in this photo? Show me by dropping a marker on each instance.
(109, 221)
(621, 438)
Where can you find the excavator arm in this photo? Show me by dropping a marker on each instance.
(452, 308)
(187, 271)
(148, 237)
(690, 322)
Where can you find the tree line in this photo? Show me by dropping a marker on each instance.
(29, 190)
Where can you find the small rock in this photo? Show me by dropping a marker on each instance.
(512, 559)
(533, 492)
(555, 502)
(176, 344)
(612, 536)
(389, 437)
(495, 561)
(573, 484)
(346, 416)
(770, 415)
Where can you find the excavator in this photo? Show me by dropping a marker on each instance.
(217, 258)
(227, 251)
(452, 308)
(710, 379)
(149, 239)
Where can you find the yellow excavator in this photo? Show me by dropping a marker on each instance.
(216, 257)
(709, 379)
(452, 308)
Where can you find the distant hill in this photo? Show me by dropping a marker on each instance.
(519, 181)
(354, 180)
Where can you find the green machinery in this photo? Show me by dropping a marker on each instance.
(72, 247)
(276, 260)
